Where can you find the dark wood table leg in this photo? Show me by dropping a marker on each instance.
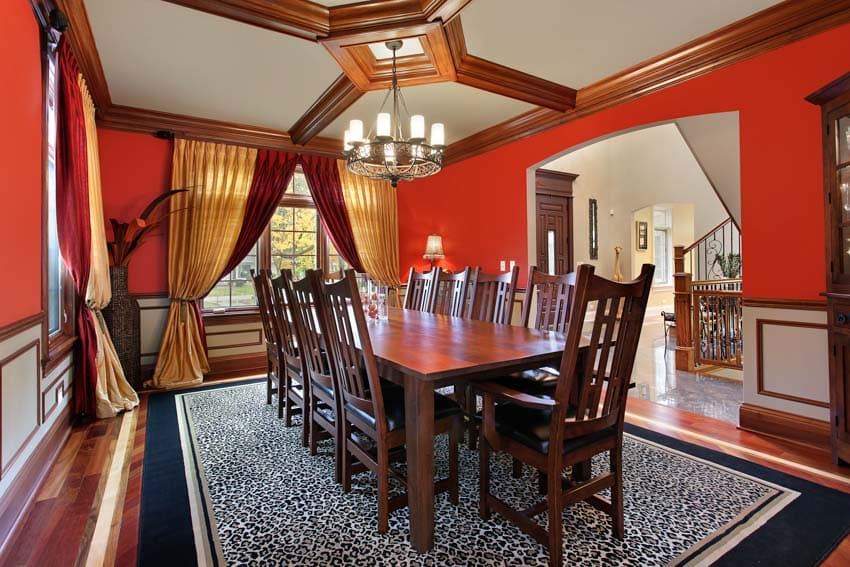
(419, 427)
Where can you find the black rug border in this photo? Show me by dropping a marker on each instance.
(790, 542)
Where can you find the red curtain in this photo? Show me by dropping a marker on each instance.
(73, 222)
(323, 179)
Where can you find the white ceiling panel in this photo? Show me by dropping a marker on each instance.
(464, 110)
(578, 42)
(161, 56)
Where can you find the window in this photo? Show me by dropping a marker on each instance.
(662, 245)
(54, 260)
(294, 240)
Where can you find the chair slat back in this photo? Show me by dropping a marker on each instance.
(301, 297)
(492, 296)
(264, 303)
(344, 325)
(604, 370)
(420, 287)
(551, 295)
(283, 321)
(451, 293)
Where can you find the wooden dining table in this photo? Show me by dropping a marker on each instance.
(422, 352)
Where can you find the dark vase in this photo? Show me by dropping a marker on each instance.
(122, 319)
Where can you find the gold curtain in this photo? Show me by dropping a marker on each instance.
(113, 393)
(373, 214)
(203, 230)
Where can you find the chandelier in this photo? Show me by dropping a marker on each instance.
(389, 155)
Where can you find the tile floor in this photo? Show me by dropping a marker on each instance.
(713, 392)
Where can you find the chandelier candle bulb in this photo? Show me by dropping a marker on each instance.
(417, 127)
(355, 127)
(384, 127)
(438, 134)
(347, 140)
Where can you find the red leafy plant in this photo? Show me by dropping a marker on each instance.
(128, 236)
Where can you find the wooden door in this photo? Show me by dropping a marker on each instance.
(554, 213)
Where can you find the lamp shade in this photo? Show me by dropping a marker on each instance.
(434, 247)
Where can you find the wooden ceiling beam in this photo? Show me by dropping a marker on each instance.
(374, 15)
(443, 10)
(334, 101)
(492, 77)
(85, 50)
(766, 30)
(299, 18)
(151, 121)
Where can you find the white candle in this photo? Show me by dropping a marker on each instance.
(438, 134)
(389, 153)
(417, 126)
(384, 124)
(347, 140)
(356, 129)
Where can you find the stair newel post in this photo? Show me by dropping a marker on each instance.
(684, 315)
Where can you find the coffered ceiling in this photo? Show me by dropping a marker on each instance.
(290, 73)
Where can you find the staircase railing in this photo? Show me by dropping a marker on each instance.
(717, 322)
(705, 258)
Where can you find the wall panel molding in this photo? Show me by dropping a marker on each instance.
(12, 329)
(761, 389)
(34, 382)
(799, 304)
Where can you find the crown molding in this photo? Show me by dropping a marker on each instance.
(85, 50)
(299, 18)
(149, 121)
(495, 78)
(443, 10)
(334, 101)
(766, 30)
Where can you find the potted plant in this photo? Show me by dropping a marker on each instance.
(122, 314)
(730, 264)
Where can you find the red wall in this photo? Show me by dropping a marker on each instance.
(134, 169)
(479, 205)
(20, 162)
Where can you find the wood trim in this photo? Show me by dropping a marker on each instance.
(299, 18)
(257, 342)
(85, 50)
(231, 318)
(835, 89)
(4, 467)
(331, 104)
(374, 15)
(237, 365)
(58, 349)
(52, 388)
(784, 425)
(799, 304)
(151, 295)
(16, 327)
(443, 10)
(18, 498)
(493, 77)
(149, 121)
(760, 389)
(557, 183)
(766, 30)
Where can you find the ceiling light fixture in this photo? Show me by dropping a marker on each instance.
(389, 155)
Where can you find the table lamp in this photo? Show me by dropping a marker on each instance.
(434, 249)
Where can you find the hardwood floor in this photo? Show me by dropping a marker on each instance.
(62, 525)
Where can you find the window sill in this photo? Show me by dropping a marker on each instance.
(229, 317)
(58, 348)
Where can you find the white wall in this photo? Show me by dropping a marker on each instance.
(629, 172)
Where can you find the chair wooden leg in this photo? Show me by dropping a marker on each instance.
(383, 490)
(542, 482)
(340, 448)
(269, 385)
(554, 492)
(314, 432)
(483, 478)
(305, 420)
(284, 384)
(517, 468)
(282, 398)
(345, 469)
(617, 519)
(455, 438)
(471, 407)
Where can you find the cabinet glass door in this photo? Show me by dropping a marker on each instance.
(843, 141)
(842, 185)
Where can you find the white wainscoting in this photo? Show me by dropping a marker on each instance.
(786, 361)
(153, 312)
(30, 402)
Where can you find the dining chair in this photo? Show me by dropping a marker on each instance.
(322, 415)
(549, 297)
(333, 276)
(373, 409)
(582, 418)
(420, 294)
(491, 296)
(295, 393)
(261, 288)
(451, 293)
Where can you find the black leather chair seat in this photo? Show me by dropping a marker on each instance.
(532, 428)
(394, 407)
